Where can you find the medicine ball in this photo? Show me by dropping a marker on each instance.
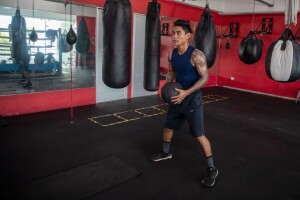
(168, 91)
(39, 58)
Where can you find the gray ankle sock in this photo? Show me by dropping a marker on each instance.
(210, 162)
(166, 147)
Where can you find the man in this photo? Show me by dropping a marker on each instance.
(187, 65)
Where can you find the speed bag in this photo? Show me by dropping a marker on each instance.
(205, 37)
(116, 43)
(64, 47)
(282, 59)
(152, 47)
(83, 37)
(250, 49)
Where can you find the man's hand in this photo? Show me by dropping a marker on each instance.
(180, 97)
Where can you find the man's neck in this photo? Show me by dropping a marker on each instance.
(182, 48)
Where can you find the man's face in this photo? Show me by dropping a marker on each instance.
(179, 36)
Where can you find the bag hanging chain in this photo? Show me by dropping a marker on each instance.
(33, 11)
(252, 29)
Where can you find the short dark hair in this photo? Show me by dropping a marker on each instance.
(185, 24)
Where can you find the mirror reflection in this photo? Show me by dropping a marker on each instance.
(34, 54)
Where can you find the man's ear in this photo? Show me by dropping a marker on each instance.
(188, 35)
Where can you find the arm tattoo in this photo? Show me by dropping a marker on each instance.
(199, 61)
(170, 75)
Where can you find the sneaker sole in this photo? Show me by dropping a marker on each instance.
(166, 158)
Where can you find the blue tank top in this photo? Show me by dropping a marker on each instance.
(185, 73)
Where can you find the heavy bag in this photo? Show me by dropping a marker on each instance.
(250, 49)
(282, 59)
(205, 37)
(152, 47)
(168, 91)
(18, 37)
(64, 47)
(116, 43)
(83, 37)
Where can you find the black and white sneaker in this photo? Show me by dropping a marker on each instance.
(161, 156)
(209, 181)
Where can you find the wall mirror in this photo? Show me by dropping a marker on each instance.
(51, 67)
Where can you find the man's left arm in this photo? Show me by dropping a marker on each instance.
(199, 61)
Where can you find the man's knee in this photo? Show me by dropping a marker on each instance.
(167, 130)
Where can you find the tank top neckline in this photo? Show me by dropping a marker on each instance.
(186, 51)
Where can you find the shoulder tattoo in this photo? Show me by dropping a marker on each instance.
(198, 58)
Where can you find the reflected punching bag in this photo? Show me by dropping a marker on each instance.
(282, 60)
(83, 37)
(64, 47)
(18, 37)
(71, 35)
(250, 49)
(152, 47)
(116, 43)
(205, 37)
(33, 36)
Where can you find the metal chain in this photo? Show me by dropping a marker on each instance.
(253, 15)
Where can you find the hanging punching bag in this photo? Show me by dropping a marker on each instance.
(152, 47)
(64, 47)
(205, 37)
(71, 36)
(33, 36)
(116, 43)
(18, 37)
(250, 49)
(282, 60)
(83, 37)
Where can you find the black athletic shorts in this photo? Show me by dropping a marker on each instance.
(191, 109)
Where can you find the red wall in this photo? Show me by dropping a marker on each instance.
(45, 101)
(253, 77)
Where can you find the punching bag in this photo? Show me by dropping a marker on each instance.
(71, 36)
(116, 43)
(282, 59)
(152, 47)
(33, 36)
(18, 37)
(250, 49)
(83, 37)
(64, 47)
(205, 37)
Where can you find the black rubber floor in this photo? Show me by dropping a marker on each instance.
(255, 140)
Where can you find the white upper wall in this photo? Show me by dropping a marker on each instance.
(55, 10)
(238, 6)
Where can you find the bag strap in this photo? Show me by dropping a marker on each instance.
(287, 34)
(251, 34)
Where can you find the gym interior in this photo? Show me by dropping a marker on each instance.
(77, 133)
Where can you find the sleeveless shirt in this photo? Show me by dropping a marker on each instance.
(185, 73)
